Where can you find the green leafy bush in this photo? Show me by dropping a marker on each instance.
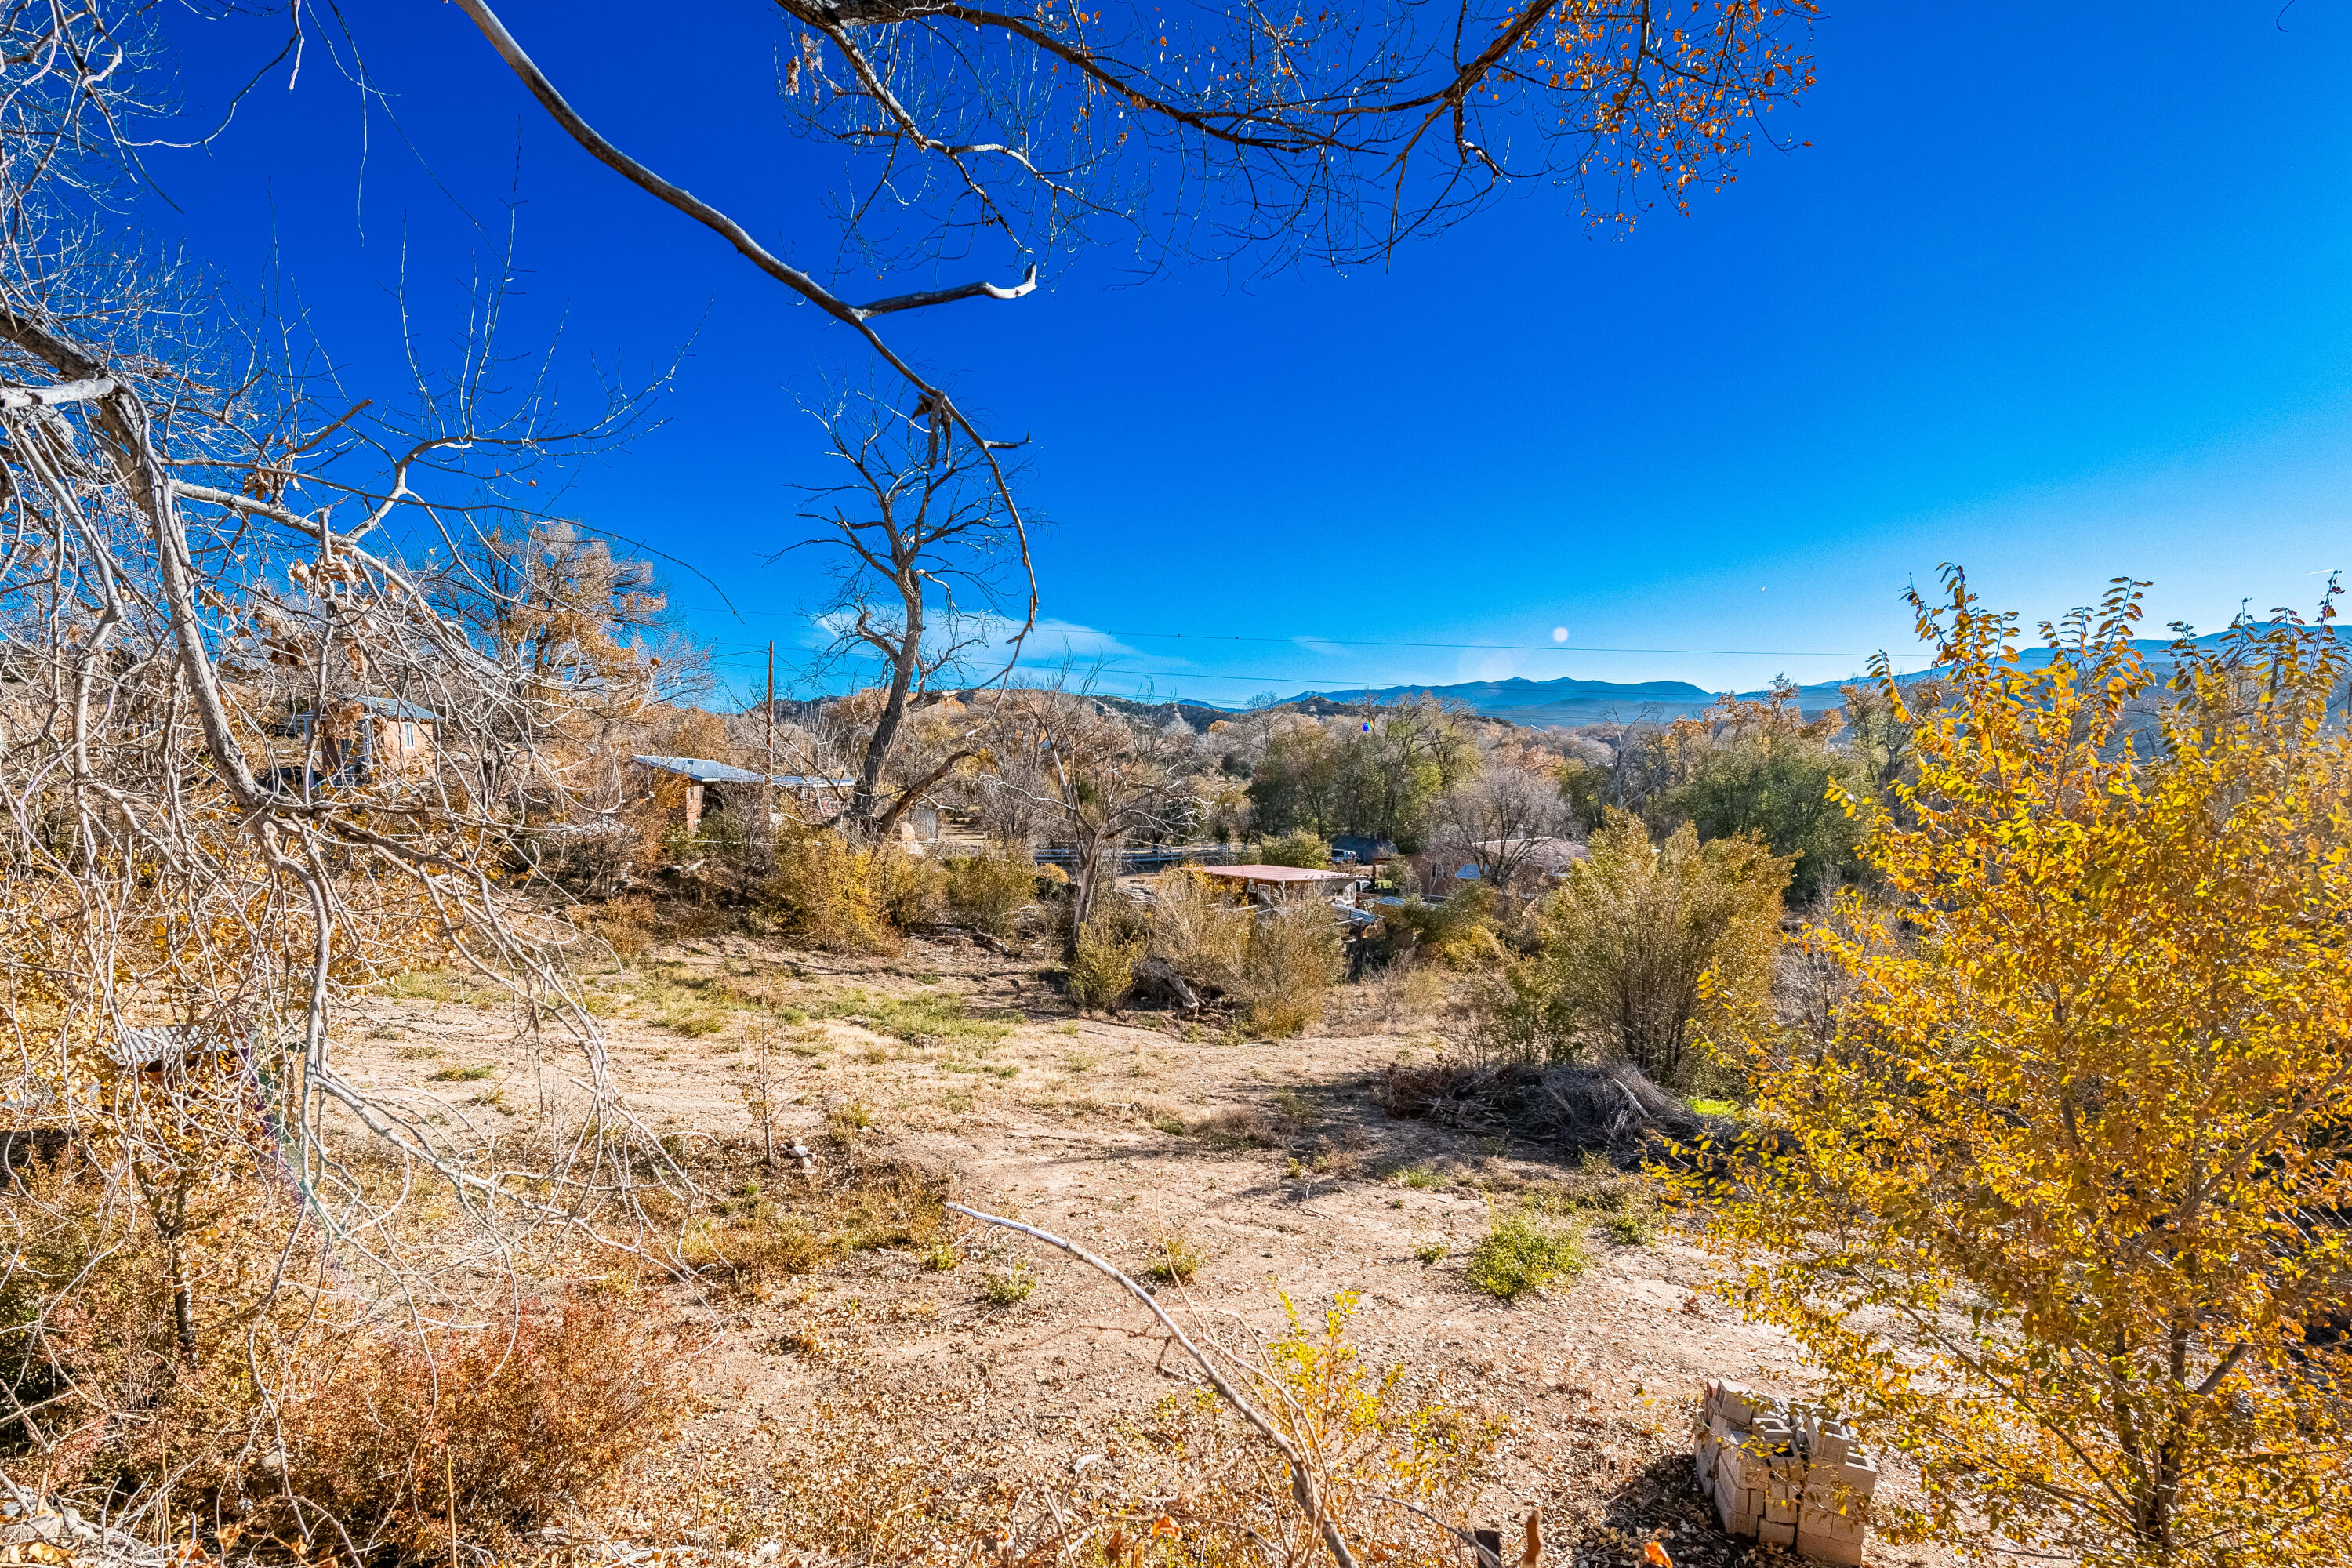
(1521, 1254)
(1301, 846)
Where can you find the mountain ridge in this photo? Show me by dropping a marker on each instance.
(1570, 699)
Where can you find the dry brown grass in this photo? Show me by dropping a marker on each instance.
(771, 1227)
(1191, 1484)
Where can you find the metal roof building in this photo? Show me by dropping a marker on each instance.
(702, 770)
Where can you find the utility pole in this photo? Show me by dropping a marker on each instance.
(768, 772)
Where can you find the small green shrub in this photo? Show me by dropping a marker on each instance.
(462, 1075)
(1519, 1255)
(1431, 1251)
(1177, 1260)
(1420, 1177)
(1011, 1287)
(1301, 846)
(1631, 1227)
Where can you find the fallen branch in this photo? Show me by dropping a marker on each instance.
(1302, 1482)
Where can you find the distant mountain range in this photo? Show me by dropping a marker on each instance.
(1569, 701)
(1566, 700)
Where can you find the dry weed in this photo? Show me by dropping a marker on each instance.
(1289, 972)
(1103, 969)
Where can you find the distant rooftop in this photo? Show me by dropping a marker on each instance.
(1275, 874)
(382, 707)
(702, 770)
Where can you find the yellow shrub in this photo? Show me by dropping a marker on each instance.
(907, 890)
(986, 891)
(1104, 968)
(843, 897)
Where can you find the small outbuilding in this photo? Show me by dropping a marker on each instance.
(712, 785)
(1279, 884)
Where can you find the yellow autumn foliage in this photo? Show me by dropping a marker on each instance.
(2061, 1203)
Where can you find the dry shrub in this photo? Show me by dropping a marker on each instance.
(987, 892)
(1103, 969)
(1292, 963)
(840, 897)
(1199, 930)
(908, 890)
(1406, 992)
(527, 1415)
(304, 1415)
(1237, 1127)
(627, 924)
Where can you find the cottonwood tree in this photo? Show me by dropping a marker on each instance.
(198, 554)
(2060, 1205)
(1502, 820)
(1762, 767)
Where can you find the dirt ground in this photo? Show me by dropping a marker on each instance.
(1270, 1158)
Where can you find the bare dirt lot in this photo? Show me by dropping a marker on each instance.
(1270, 1161)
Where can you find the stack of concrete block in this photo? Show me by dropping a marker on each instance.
(1787, 1474)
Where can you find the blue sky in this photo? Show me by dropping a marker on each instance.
(2055, 292)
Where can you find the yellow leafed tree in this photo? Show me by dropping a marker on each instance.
(2059, 1200)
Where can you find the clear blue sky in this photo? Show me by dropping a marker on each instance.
(2058, 293)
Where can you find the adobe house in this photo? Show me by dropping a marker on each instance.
(365, 738)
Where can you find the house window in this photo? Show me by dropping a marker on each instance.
(408, 736)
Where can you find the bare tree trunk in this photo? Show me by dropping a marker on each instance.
(866, 803)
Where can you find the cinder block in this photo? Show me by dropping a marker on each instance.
(1855, 1477)
(1832, 1442)
(1772, 1533)
(1843, 1553)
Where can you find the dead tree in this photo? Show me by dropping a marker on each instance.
(921, 542)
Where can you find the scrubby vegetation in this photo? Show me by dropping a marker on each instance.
(1523, 1252)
